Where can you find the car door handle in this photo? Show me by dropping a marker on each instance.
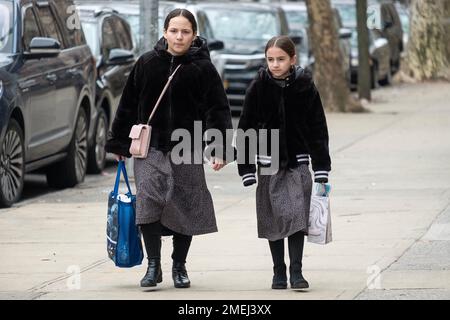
(72, 71)
(126, 74)
(26, 85)
(51, 77)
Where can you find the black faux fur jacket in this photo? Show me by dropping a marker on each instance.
(292, 106)
(196, 93)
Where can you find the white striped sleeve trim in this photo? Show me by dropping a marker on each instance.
(248, 177)
(321, 174)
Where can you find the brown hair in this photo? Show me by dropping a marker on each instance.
(284, 43)
(184, 13)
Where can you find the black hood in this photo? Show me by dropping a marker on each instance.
(197, 51)
(301, 77)
(244, 47)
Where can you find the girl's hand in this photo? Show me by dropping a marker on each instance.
(119, 157)
(217, 164)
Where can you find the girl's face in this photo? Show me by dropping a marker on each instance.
(279, 62)
(179, 35)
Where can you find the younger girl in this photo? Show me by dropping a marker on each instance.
(283, 97)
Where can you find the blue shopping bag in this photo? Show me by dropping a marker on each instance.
(124, 244)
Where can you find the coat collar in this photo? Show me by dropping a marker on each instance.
(302, 78)
(197, 51)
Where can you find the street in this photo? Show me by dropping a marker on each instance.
(390, 203)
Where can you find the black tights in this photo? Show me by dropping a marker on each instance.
(181, 244)
(295, 244)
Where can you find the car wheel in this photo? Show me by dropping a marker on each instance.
(12, 165)
(97, 153)
(388, 79)
(374, 76)
(72, 170)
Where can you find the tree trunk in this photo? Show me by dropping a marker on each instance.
(428, 46)
(328, 73)
(364, 76)
(148, 24)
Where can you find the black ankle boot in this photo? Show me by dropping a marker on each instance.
(296, 279)
(296, 243)
(279, 280)
(154, 273)
(180, 276)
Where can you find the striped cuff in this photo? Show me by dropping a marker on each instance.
(248, 179)
(320, 176)
(303, 158)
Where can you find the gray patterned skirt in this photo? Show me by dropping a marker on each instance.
(282, 202)
(173, 195)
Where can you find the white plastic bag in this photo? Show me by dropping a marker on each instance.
(319, 226)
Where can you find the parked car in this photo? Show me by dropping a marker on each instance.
(109, 36)
(297, 17)
(245, 29)
(130, 11)
(379, 60)
(389, 24)
(47, 88)
(390, 28)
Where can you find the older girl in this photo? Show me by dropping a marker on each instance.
(172, 199)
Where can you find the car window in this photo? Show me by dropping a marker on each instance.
(6, 26)
(109, 40)
(236, 24)
(297, 19)
(204, 28)
(348, 14)
(30, 29)
(49, 24)
(123, 36)
(72, 29)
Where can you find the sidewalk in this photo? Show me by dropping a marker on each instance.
(390, 181)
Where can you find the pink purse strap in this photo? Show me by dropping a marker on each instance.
(162, 94)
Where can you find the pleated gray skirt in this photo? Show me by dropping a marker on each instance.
(282, 202)
(174, 196)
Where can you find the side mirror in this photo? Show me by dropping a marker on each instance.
(215, 45)
(120, 56)
(297, 40)
(43, 48)
(345, 33)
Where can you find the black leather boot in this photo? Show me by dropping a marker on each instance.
(154, 273)
(297, 280)
(279, 280)
(296, 243)
(180, 276)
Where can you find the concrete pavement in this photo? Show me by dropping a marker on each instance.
(390, 207)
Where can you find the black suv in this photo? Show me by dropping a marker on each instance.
(47, 93)
(109, 36)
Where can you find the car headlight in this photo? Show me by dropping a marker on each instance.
(1, 89)
(253, 63)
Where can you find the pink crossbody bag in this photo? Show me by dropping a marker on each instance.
(140, 134)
